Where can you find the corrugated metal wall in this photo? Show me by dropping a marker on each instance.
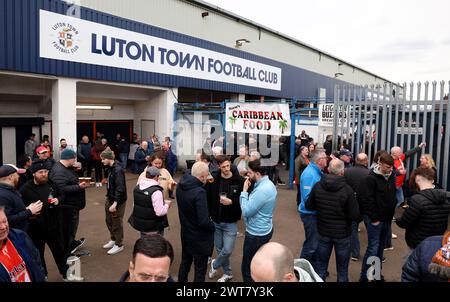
(185, 16)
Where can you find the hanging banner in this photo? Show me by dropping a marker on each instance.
(258, 118)
(326, 115)
(77, 40)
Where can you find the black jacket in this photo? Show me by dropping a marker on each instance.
(415, 268)
(378, 197)
(48, 219)
(328, 145)
(123, 146)
(23, 178)
(299, 165)
(355, 178)
(143, 218)
(116, 189)
(426, 216)
(217, 211)
(336, 206)
(72, 195)
(84, 151)
(15, 209)
(197, 230)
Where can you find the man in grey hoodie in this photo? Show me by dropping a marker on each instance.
(377, 207)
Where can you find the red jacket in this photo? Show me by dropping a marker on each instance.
(398, 162)
(400, 177)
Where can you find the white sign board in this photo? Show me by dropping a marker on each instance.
(326, 115)
(415, 131)
(258, 118)
(76, 40)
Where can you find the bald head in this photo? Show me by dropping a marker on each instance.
(361, 159)
(200, 170)
(272, 263)
(336, 167)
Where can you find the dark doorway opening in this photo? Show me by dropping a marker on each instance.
(108, 128)
(22, 134)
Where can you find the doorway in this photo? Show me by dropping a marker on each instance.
(22, 134)
(108, 127)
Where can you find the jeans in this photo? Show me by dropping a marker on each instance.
(251, 246)
(200, 266)
(224, 240)
(98, 166)
(86, 166)
(311, 238)
(123, 159)
(342, 251)
(376, 239)
(355, 247)
(50, 232)
(399, 196)
(70, 221)
(388, 242)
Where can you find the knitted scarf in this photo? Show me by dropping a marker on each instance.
(440, 264)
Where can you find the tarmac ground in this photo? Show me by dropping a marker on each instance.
(288, 230)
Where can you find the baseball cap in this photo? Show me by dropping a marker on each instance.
(153, 171)
(41, 149)
(345, 152)
(9, 169)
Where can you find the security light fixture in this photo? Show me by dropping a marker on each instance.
(94, 107)
(338, 74)
(205, 14)
(241, 41)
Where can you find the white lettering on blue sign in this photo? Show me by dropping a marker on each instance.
(71, 39)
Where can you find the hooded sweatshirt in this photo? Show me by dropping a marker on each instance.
(336, 206)
(305, 272)
(426, 216)
(159, 205)
(378, 196)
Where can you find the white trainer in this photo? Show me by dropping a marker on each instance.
(212, 272)
(394, 236)
(115, 249)
(109, 245)
(225, 278)
(72, 278)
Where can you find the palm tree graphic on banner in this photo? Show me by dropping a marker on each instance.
(232, 121)
(282, 125)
